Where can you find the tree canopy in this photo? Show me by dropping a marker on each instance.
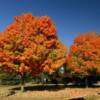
(30, 45)
(84, 56)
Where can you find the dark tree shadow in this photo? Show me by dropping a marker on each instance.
(41, 88)
(82, 86)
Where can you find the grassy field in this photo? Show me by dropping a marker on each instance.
(48, 92)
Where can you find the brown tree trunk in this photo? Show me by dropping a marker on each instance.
(22, 84)
(86, 82)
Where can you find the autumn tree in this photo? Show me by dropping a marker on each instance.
(29, 45)
(84, 57)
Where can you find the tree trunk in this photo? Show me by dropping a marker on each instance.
(22, 84)
(86, 82)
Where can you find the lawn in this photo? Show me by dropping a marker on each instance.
(48, 92)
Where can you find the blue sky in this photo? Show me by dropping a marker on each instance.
(70, 16)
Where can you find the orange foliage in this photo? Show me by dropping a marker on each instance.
(30, 44)
(84, 54)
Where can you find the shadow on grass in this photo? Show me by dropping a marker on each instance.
(75, 85)
(49, 87)
(41, 88)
